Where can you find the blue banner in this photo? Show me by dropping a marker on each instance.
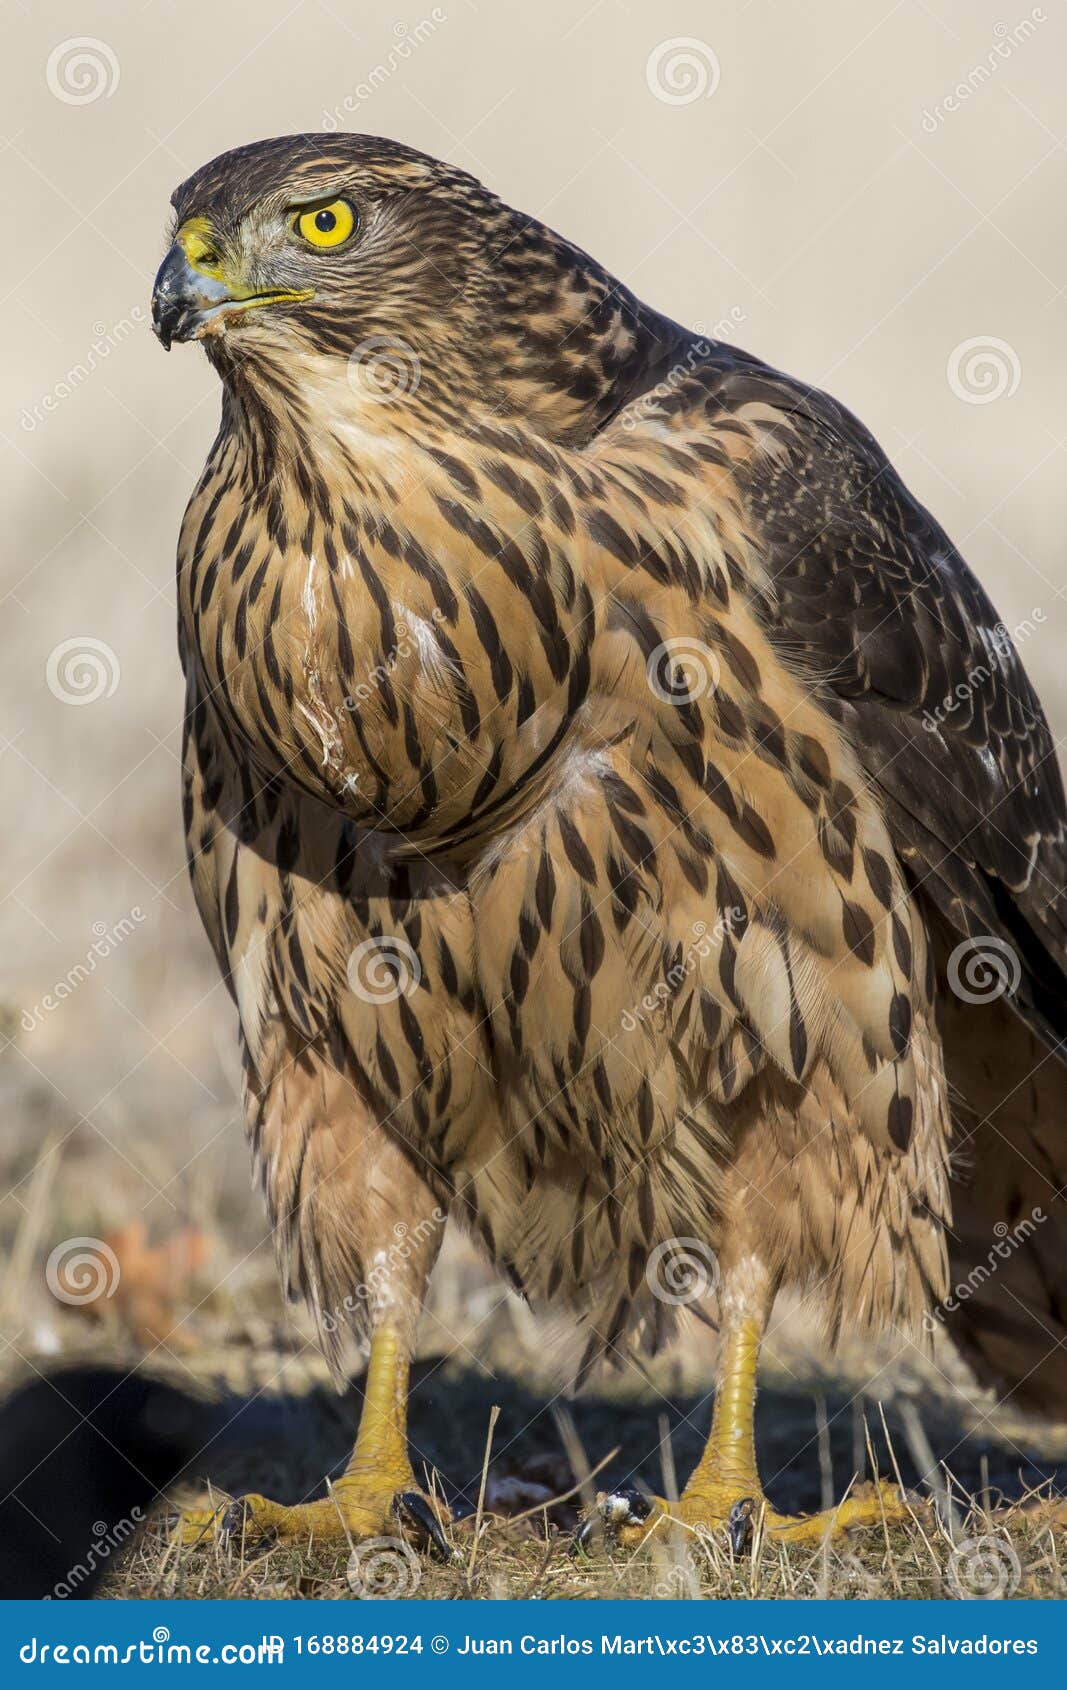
(446, 1643)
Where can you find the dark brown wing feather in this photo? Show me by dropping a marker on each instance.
(871, 596)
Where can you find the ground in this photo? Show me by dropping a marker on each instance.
(814, 1427)
(194, 1298)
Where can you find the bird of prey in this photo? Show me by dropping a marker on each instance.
(601, 778)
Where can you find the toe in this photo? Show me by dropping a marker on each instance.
(347, 1515)
(197, 1527)
(867, 1506)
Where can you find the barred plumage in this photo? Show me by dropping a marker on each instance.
(582, 679)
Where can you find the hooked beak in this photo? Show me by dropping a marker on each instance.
(187, 300)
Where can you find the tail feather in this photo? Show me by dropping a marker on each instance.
(1007, 1309)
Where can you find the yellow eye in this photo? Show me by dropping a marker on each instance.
(328, 226)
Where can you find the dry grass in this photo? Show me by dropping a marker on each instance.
(179, 1167)
(818, 1428)
(121, 1103)
(976, 1476)
(535, 1560)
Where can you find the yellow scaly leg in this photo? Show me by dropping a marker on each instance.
(725, 1490)
(363, 1502)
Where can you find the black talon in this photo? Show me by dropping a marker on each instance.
(234, 1520)
(584, 1534)
(739, 1524)
(415, 1507)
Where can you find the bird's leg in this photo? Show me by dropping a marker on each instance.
(727, 1467)
(725, 1490)
(376, 1495)
(356, 1197)
(380, 1458)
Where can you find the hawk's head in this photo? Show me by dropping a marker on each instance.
(298, 258)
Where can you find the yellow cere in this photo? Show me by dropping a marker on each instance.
(197, 242)
(329, 225)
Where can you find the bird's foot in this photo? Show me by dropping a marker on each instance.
(630, 1518)
(358, 1509)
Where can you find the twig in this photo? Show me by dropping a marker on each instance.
(494, 1416)
(904, 1494)
(666, 1457)
(826, 1464)
(885, 1523)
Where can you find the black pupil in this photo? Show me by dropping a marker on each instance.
(325, 221)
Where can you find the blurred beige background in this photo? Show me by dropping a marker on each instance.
(870, 196)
